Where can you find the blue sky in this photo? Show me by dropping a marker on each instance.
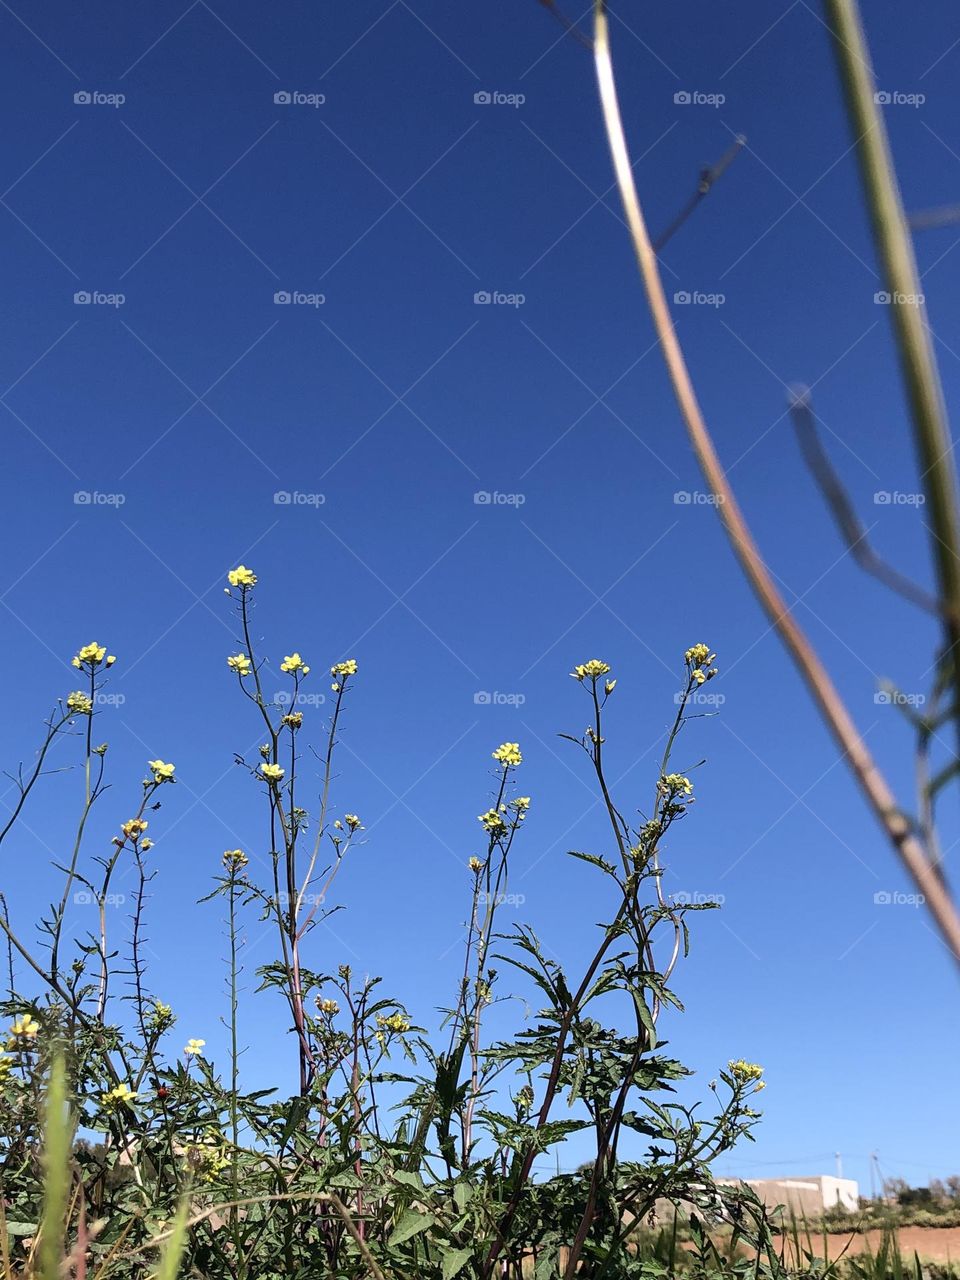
(389, 405)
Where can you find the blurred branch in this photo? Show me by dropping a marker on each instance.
(872, 783)
(570, 27)
(707, 179)
(902, 280)
(851, 528)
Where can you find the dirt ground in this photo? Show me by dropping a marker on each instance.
(937, 1244)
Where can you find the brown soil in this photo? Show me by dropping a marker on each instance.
(936, 1244)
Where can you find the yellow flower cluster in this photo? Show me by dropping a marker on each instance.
(79, 703)
(242, 577)
(698, 658)
(121, 1095)
(475, 865)
(240, 663)
(326, 1005)
(508, 753)
(91, 655)
(675, 784)
(591, 670)
(294, 665)
(25, 1027)
(160, 1016)
(6, 1065)
(521, 804)
(235, 859)
(272, 772)
(194, 1047)
(207, 1159)
(393, 1022)
(135, 828)
(352, 821)
(340, 671)
(161, 772)
(745, 1072)
(293, 719)
(492, 822)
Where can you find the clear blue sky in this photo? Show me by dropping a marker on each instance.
(399, 398)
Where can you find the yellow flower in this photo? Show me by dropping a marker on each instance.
(146, 845)
(475, 865)
(235, 859)
(161, 772)
(293, 664)
(508, 754)
(293, 719)
(25, 1027)
(121, 1094)
(272, 772)
(352, 821)
(591, 670)
(79, 703)
(327, 1006)
(242, 577)
(6, 1065)
(521, 804)
(194, 1047)
(698, 655)
(492, 822)
(160, 1016)
(394, 1022)
(340, 671)
(240, 663)
(698, 676)
(744, 1072)
(134, 828)
(675, 784)
(91, 655)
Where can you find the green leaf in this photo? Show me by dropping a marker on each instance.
(454, 1260)
(411, 1224)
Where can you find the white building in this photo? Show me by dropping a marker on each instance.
(810, 1196)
